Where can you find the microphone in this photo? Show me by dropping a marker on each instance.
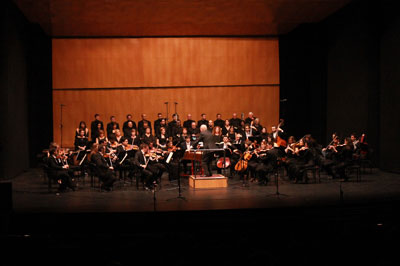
(283, 100)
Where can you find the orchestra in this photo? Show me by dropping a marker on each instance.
(247, 150)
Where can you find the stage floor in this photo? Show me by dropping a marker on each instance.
(31, 195)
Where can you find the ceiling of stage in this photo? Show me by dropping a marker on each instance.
(112, 18)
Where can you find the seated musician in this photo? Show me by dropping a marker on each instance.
(58, 169)
(227, 146)
(104, 171)
(149, 173)
(101, 137)
(186, 146)
(266, 162)
(237, 150)
(173, 156)
(125, 153)
(304, 158)
(82, 126)
(344, 159)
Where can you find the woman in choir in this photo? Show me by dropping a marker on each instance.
(162, 138)
(133, 139)
(264, 134)
(226, 128)
(101, 137)
(147, 137)
(231, 134)
(82, 126)
(217, 133)
(81, 141)
(118, 135)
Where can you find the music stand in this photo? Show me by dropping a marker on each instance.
(277, 193)
(179, 185)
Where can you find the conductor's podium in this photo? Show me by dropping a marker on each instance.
(214, 181)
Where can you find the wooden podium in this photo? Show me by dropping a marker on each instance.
(214, 181)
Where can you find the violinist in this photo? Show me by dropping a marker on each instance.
(173, 164)
(104, 171)
(113, 145)
(82, 126)
(266, 162)
(58, 169)
(355, 141)
(125, 154)
(344, 159)
(141, 161)
(304, 158)
(157, 161)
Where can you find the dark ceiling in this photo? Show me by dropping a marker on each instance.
(111, 18)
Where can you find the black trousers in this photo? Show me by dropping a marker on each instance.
(108, 178)
(206, 162)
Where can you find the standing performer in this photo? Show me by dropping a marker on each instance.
(188, 122)
(157, 123)
(95, 127)
(82, 126)
(112, 126)
(141, 124)
(235, 121)
(202, 121)
(219, 122)
(125, 125)
(208, 140)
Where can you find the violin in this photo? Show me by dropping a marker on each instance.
(131, 147)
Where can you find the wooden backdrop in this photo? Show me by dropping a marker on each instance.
(137, 75)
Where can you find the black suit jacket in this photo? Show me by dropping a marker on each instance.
(208, 140)
(139, 159)
(101, 164)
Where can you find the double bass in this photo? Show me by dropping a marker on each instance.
(279, 141)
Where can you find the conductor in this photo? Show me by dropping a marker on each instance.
(208, 140)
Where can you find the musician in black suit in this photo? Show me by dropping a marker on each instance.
(58, 171)
(186, 146)
(188, 122)
(208, 140)
(141, 161)
(94, 128)
(237, 150)
(104, 171)
(193, 131)
(250, 118)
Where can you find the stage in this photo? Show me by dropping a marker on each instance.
(308, 224)
(31, 195)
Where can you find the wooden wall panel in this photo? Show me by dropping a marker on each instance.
(155, 62)
(83, 104)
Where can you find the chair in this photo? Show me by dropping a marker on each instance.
(315, 170)
(355, 167)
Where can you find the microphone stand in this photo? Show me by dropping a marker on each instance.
(277, 193)
(166, 106)
(179, 185)
(175, 106)
(61, 124)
